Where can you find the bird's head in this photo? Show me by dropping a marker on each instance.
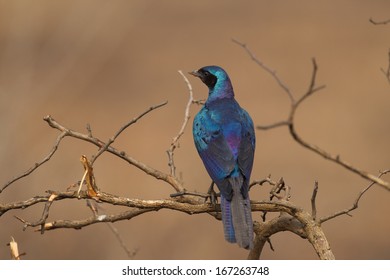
(216, 79)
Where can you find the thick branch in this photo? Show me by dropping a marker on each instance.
(264, 230)
(297, 220)
(186, 204)
(292, 218)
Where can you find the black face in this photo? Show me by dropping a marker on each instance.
(209, 79)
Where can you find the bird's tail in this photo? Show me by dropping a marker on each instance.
(237, 216)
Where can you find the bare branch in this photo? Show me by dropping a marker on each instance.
(89, 178)
(266, 68)
(292, 218)
(312, 86)
(379, 22)
(22, 204)
(114, 230)
(290, 122)
(133, 121)
(274, 125)
(175, 140)
(387, 72)
(138, 207)
(78, 224)
(38, 164)
(264, 230)
(94, 208)
(313, 201)
(121, 154)
(185, 192)
(261, 182)
(44, 217)
(277, 188)
(311, 229)
(298, 221)
(338, 160)
(355, 204)
(321, 152)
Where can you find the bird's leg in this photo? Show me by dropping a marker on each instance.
(212, 194)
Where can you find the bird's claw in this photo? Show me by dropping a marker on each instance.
(212, 195)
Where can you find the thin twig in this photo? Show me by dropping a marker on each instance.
(175, 140)
(278, 187)
(38, 164)
(94, 208)
(185, 192)
(114, 230)
(134, 120)
(266, 68)
(387, 72)
(271, 126)
(313, 201)
(78, 224)
(89, 130)
(355, 203)
(312, 85)
(379, 22)
(45, 215)
(260, 182)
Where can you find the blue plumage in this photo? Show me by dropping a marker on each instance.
(225, 139)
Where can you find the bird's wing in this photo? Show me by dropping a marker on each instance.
(214, 150)
(246, 150)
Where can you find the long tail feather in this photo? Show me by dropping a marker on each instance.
(227, 220)
(241, 215)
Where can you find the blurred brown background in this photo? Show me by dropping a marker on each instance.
(104, 62)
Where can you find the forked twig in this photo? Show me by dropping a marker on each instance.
(123, 128)
(266, 68)
(97, 142)
(175, 140)
(291, 124)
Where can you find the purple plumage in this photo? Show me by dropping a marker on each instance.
(225, 139)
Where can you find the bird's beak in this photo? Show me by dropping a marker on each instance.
(195, 73)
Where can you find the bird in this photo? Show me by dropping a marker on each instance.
(225, 139)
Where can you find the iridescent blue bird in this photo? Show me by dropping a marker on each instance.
(225, 139)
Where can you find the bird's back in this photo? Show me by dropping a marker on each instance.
(224, 136)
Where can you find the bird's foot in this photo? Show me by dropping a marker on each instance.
(212, 195)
